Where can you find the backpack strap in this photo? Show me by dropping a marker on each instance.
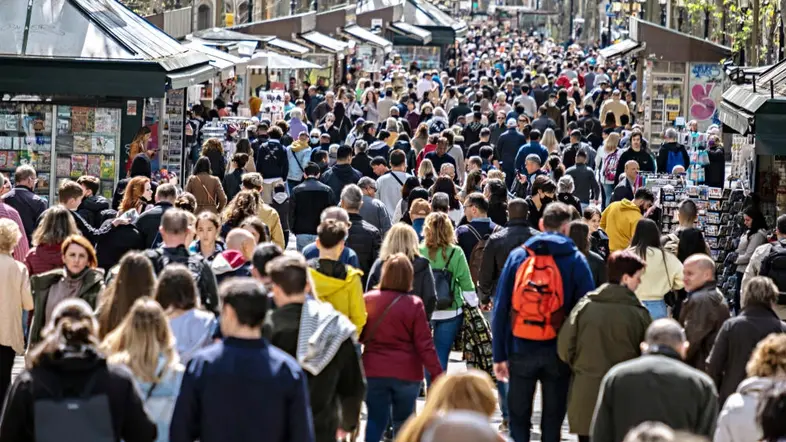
(397, 179)
(474, 232)
(447, 263)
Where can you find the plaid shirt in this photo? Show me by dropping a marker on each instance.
(20, 251)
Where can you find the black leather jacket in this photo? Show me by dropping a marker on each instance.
(498, 248)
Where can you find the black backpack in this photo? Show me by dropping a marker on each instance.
(194, 262)
(86, 417)
(444, 283)
(774, 266)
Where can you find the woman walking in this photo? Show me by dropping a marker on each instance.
(397, 346)
(663, 273)
(135, 279)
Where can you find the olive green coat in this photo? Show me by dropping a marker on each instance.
(92, 286)
(605, 328)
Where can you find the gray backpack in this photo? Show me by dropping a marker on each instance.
(86, 417)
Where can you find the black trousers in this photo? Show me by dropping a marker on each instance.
(7, 355)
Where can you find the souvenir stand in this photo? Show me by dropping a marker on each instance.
(71, 105)
(718, 217)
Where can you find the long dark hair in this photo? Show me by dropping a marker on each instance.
(202, 165)
(579, 233)
(445, 184)
(759, 223)
(646, 235)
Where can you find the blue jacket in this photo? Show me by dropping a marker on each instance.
(242, 390)
(530, 148)
(577, 281)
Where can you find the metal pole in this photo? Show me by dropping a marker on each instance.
(570, 29)
(780, 40)
(706, 24)
(608, 39)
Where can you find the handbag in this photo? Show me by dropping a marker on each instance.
(375, 327)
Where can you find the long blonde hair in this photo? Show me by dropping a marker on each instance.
(549, 141)
(612, 142)
(401, 238)
(139, 341)
(438, 234)
(426, 167)
(472, 390)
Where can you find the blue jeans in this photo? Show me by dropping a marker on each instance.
(608, 189)
(554, 375)
(304, 239)
(445, 332)
(657, 309)
(386, 397)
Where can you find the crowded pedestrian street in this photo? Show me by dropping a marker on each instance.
(392, 221)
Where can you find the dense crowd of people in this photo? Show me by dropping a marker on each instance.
(325, 267)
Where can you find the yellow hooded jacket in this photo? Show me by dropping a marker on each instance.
(345, 295)
(619, 222)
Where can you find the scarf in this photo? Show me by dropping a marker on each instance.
(68, 287)
(321, 333)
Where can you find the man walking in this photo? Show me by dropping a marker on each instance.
(308, 201)
(250, 389)
(372, 210)
(658, 387)
(334, 372)
(525, 323)
(390, 183)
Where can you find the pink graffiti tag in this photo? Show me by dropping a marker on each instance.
(704, 106)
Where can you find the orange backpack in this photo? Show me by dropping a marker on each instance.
(538, 299)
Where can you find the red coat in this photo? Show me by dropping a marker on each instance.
(402, 344)
(44, 258)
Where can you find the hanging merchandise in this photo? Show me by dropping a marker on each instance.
(172, 134)
(272, 105)
(26, 131)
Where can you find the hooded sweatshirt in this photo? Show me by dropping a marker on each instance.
(90, 209)
(230, 263)
(619, 222)
(339, 285)
(299, 155)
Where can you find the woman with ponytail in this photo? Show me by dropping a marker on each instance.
(102, 401)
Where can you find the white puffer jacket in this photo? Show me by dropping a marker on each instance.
(737, 419)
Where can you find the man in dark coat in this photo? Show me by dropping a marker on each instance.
(705, 310)
(658, 386)
(307, 202)
(499, 246)
(342, 173)
(739, 335)
(92, 203)
(626, 186)
(336, 383)
(149, 222)
(29, 205)
(507, 147)
(363, 238)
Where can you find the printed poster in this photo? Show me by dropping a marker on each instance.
(706, 92)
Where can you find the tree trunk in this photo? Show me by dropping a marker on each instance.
(755, 40)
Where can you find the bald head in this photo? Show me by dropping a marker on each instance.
(665, 333)
(243, 241)
(697, 271)
(460, 426)
(518, 209)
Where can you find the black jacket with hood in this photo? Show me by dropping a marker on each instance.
(337, 392)
(339, 176)
(365, 240)
(69, 376)
(498, 247)
(91, 209)
(422, 285)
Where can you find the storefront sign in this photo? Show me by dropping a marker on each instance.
(706, 92)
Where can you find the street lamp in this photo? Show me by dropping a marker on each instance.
(662, 12)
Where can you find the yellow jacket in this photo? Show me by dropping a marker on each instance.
(619, 222)
(270, 217)
(345, 295)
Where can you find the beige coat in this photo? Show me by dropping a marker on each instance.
(270, 217)
(15, 296)
(208, 192)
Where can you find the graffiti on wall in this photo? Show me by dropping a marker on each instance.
(706, 93)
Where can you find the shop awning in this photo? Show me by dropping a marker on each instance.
(739, 106)
(621, 49)
(438, 16)
(366, 36)
(325, 42)
(190, 77)
(272, 60)
(228, 64)
(223, 34)
(412, 31)
(288, 46)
